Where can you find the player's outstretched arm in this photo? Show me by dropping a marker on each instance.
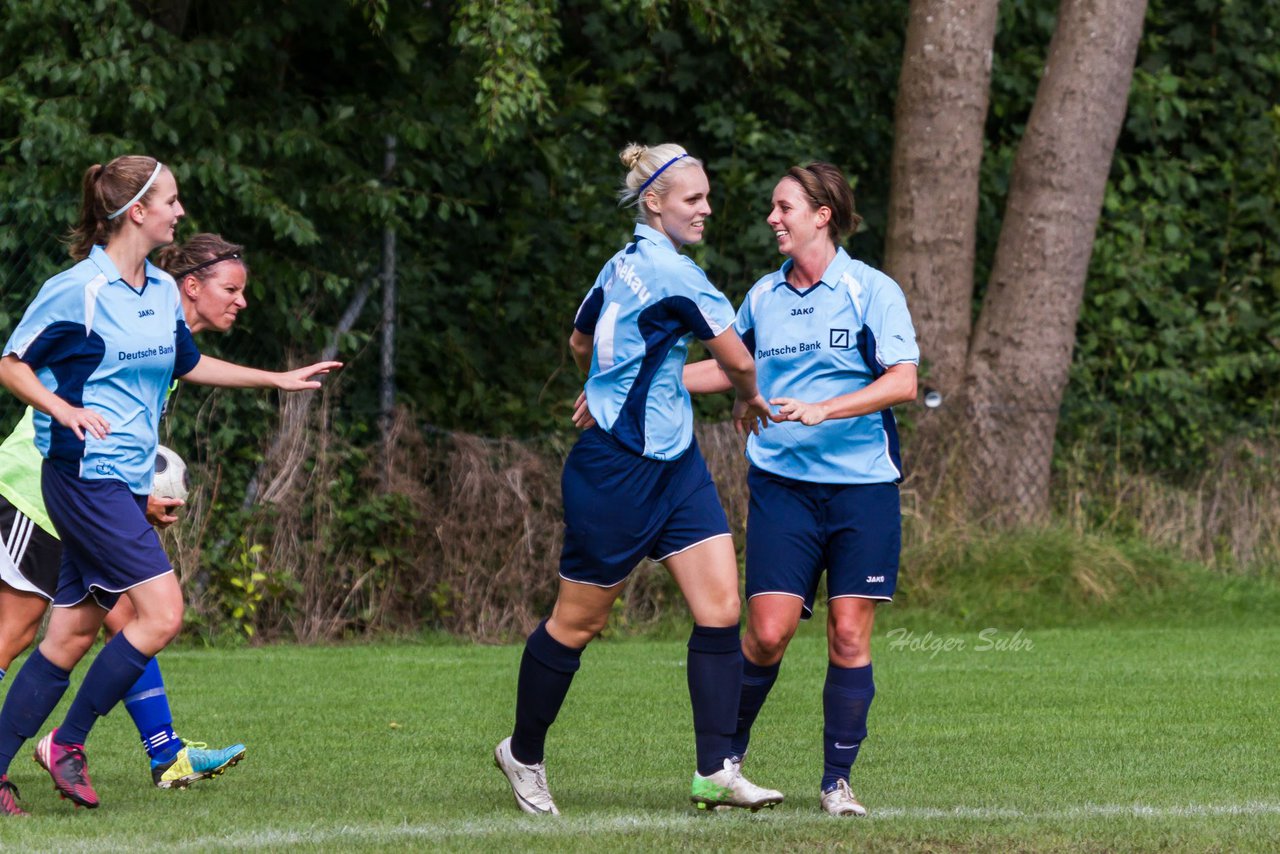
(216, 372)
(17, 376)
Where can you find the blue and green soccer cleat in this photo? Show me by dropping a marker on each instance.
(194, 762)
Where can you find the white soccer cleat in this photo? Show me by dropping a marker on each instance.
(840, 801)
(528, 782)
(728, 788)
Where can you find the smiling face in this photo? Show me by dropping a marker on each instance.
(795, 222)
(682, 211)
(214, 302)
(159, 213)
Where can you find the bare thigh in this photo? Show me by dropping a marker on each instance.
(707, 575)
(20, 615)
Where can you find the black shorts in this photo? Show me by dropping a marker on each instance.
(29, 555)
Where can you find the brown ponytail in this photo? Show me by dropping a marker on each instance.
(104, 190)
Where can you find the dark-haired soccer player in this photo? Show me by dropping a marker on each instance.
(834, 350)
(94, 354)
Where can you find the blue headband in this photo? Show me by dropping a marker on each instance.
(661, 169)
(141, 193)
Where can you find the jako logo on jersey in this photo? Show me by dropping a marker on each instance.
(875, 579)
(147, 312)
(839, 339)
(795, 312)
(627, 273)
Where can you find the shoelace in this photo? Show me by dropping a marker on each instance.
(540, 776)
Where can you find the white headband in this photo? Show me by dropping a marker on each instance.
(141, 193)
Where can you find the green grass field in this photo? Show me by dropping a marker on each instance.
(1086, 738)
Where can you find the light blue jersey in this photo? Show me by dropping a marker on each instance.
(99, 344)
(831, 339)
(643, 307)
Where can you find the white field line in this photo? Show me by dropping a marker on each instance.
(527, 827)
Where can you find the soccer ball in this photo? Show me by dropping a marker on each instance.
(171, 475)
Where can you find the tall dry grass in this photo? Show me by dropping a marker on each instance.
(466, 536)
(1228, 518)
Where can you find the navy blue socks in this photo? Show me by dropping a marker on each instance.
(148, 705)
(115, 669)
(32, 697)
(846, 697)
(757, 681)
(715, 681)
(546, 672)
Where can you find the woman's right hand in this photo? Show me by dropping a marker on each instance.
(581, 415)
(751, 415)
(78, 420)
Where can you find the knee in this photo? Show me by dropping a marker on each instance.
(766, 641)
(14, 640)
(171, 625)
(725, 611)
(577, 632)
(849, 647)
(160, 627)
(72, 647)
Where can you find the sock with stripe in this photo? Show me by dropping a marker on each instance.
(110, 676)
(715, 680)
(148, 705)
(33, 694)
(546, 672)
(846, 698)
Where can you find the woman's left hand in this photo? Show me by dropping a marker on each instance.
(300, 379)
(808, 414)
(751, 416)
(158, 510)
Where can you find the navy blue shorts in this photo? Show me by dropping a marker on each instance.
(796, 529)
(108, 546)
(620, 507)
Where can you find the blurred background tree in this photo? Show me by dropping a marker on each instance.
(507, 119)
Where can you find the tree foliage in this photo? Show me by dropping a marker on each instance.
(508, 118)
(1179, 339)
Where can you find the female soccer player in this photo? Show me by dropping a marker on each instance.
(94, 354)
(636, 485)
(835, 349)
(211, 278)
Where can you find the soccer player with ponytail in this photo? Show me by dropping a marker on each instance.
(635, 484)
(835, 349)
(94, 355)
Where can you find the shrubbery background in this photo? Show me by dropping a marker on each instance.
(501, 202)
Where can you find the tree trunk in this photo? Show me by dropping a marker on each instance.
(937, 153)
(1021, 351)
